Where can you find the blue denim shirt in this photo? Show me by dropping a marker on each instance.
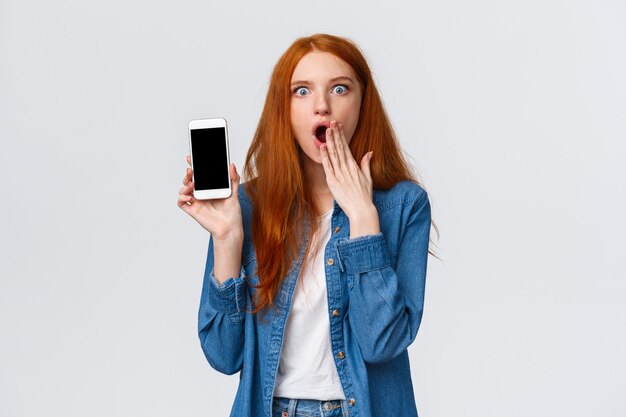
(375, 287)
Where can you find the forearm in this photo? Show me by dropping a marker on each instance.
(221, 341)
(220, 317)
(387, 296)
(382, 321)
(227, 257)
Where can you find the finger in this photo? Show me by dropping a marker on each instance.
(326, 164)
(349, 158)
(191, 208)
(340, 144)
(187, 176)
(365, 165)
(234, 180)
(186, 189)
(332, 152)
(184, 199)
(188, 159)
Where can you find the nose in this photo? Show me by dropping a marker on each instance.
(322, 105)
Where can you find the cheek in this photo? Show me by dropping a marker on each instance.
(297, 119)
(355, 120)
(352, 124)
(350, 133)
(351, 111)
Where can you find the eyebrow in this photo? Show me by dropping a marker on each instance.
(340, 78)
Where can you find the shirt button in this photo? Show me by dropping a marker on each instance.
(335, 313)
(330, 262)
(352, 402)
(341, 355)
(284, 414)
(337, 229)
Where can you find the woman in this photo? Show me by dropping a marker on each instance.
(314, 281)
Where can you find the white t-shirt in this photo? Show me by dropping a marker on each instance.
(307, 368)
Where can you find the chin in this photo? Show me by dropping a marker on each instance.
(314, 156)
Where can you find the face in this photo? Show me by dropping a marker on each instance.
(323, 88)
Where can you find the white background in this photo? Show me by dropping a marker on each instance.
(514, 114)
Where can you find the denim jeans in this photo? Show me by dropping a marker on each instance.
(286, 407)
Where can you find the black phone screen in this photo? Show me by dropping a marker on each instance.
(210, 163)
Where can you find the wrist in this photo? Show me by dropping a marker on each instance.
(365, 222)
(230, 239)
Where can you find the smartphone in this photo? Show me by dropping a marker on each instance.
(208, 147)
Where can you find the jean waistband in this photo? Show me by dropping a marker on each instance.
(323, 408)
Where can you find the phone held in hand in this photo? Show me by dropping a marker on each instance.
(210, 160)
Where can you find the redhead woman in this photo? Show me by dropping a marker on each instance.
(315, 272)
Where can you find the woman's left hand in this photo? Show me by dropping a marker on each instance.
(350, 185)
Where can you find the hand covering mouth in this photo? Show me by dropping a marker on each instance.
(319, 131)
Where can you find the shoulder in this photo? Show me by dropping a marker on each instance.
(402, 194)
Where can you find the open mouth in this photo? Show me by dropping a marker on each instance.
(320, 131)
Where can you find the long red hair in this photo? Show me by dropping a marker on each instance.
(282, 202)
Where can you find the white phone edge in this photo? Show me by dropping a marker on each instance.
(219, 192)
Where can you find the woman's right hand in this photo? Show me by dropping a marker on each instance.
(222, 217)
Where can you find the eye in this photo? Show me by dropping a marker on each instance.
(301, 91)
(340, 89)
